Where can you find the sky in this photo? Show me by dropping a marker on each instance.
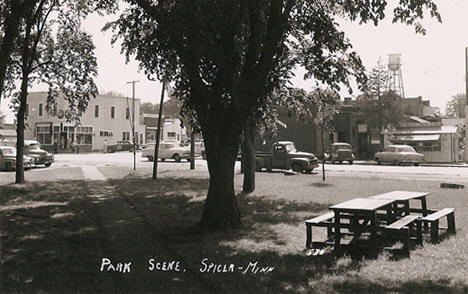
(433, 65)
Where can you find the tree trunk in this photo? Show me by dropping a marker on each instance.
(19, 178)
(11, 26)
(221, 210)
(248, 157)
(323, 154)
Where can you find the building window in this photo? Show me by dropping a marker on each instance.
(127, 113)
(26, 110)
(80, 112)
(171, 134)
(96, 110)
(112, 111)
(84, 135)
(43, 135)
(40, 109)
(125, 136)
(105, 134)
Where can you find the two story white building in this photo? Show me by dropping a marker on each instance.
(107, 119)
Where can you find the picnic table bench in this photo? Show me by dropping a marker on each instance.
(402, 228)
(433, 220)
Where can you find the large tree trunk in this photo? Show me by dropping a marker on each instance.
(323, 153)
(248, 157)
(12, 22)
(221, 210)
(19, 178)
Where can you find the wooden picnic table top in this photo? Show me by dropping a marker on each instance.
(401, 195)
(362, 204)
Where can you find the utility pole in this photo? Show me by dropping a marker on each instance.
(381, 136)
(133, 122)
(192, 150)
(158, 134)
(466, 107)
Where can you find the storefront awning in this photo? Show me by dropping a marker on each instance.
(417, 138)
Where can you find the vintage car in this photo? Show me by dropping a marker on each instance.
(341, 152)
(8, 159)
(123, 145)
(33, 149)
(285, 156)
(167, 150)
(200, 149)
(399, 154)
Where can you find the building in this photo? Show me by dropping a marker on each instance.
(438, 143)
(106, 119)
(171, 128)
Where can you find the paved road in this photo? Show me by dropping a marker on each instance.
(125, 159)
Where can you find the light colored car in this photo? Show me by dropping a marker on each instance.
(200, 149)
(33, 149)
(399, 154)
(167, 150)
(8, 159)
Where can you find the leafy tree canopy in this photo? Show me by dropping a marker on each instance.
(455, 107)
(227, 58)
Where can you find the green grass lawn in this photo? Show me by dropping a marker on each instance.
(156, 219)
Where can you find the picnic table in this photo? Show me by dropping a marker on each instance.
(389, 215)
(403, 198)
(362, 215)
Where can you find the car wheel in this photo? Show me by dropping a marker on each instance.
(350, 162)
(150, 158)
(341, 161)
(48, 164)
(176, 157)
(396, 163)
(258, 166)
(162, 159)
(8, 166)
(416, 164)
(379, 162)
(296, 167)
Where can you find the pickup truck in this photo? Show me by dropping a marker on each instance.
(285, 156)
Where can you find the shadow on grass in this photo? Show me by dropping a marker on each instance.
(54, 236)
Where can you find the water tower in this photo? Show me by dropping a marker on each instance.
(394, 81)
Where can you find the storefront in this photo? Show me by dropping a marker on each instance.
(437, 144)
(60, 137)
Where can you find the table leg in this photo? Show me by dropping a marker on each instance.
(406, 207)
(373, 231)
(337, 232)
(424, 213)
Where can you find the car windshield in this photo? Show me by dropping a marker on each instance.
(34, 146)
(341, 146)
(406, 149)
(8, 152)
(290, 148)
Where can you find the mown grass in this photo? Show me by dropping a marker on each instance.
(138, 219)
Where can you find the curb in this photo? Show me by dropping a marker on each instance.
(422, 164)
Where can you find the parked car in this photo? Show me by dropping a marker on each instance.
(8, 159)
(341, 152)
(200, 149)
(33, 149)
(123, 145)
(399, 154)
(168, 150)
(285, 156)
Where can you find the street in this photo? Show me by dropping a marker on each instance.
(125, 159)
